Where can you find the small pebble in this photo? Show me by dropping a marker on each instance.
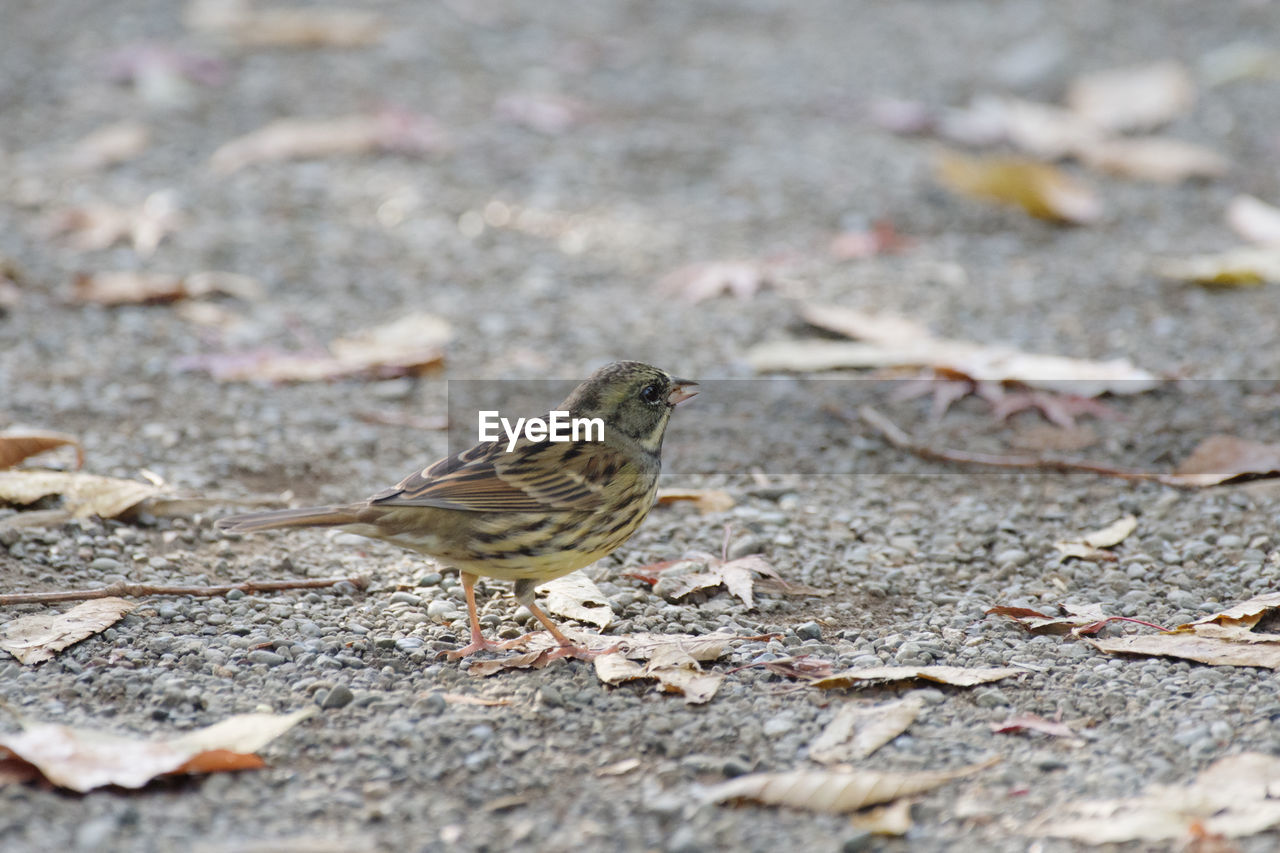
(339, 697)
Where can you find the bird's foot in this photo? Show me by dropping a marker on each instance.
(480, 644)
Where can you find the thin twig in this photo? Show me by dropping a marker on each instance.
(140, 589)
(893, 434)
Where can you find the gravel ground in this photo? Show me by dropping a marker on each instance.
(711, 131)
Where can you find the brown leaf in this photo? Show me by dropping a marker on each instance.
(674, 669)
(699, 282)
(890, 341)
(134, 288)
(1233, 797)
(238, 22)
(1222, 458)
(1154, 158)
(957, 676)
(1254, 220)
(307, 139)
(737, 576)
(1138, 98)
(411, 345)
(16, 445)
(83, 759)
(1073, 618)
(857, 730)
(1039, 189)
(38, 637)
(1246, 614)
(1033, 723)
(109, 145)
(575, 596)
(833, 791)
(1223, 639)
(82, 494)
(706, 500)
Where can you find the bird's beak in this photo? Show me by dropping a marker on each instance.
(683, 391)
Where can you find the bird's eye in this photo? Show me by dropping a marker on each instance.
(651, 394)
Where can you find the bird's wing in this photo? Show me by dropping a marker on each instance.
(533, 477)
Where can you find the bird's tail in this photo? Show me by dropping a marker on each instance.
(307, 516)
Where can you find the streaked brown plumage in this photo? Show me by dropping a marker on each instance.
(538, 512)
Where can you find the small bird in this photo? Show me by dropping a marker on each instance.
(529, 514)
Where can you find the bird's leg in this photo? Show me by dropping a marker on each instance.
(478, 642)
(524, 595)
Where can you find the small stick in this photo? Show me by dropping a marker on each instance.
(893, 434)
(141, 589)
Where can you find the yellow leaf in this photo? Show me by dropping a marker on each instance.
(1041, 190)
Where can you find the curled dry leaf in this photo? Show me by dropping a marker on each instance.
(1254, 220)
(857, 730)
(1233, 797)
(575, 596)
(1075, 619)
(304, 139)
(1041, 190)
(643, 646)
(83, 759)
(19, 444)
(138, 288)
(108, 146)
(956, 676)
(1090, 546)
(1137, 98)
(1226, 458)
(1246, 266)
(37, 637)
(1226, 638)
(700, 282)
(737, 576)
(238, 22)
(706, 500)
(672, 667)
(889, 341)
(411, 345)
(833, 791)
(82, 494)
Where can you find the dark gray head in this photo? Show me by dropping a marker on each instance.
(631, 397)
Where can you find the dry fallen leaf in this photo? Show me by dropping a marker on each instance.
(134, 288)
(706, 500)
(1254, 220)
(737, 576)
(857, 730)
(238, 22)
(411, 345)
(833, 791)
(1223, 639)
(82, 494)
(956, 676)
(672, 667)
(99, 226)
(1224, 458)
(36, 637)
(575, 596)
(890, 819)
(1034, 723)
(1041, 190)
(1090, 546)
(1245, 266)
(1154, 158)
(619, 768)
(1137, 98)
(303, 139)
(699, 282)
(889, 341)
(19, 444)
(109, 145)
(542, 649)
(83, 759)
(1075, 619)
(1233, 797)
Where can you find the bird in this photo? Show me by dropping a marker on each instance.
(527, 511)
